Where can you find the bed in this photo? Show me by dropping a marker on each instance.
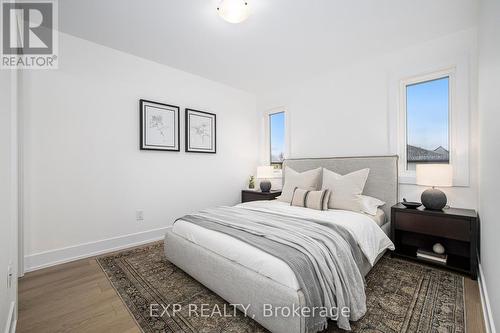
(244, 274)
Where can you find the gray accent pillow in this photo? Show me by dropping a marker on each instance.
(345, 188)
(307, 180)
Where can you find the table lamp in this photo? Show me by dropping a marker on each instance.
(435, 175)
(264, 173)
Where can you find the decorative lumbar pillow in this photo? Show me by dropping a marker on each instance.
(318, 199)
(369, 205)
(327, 199)
(307, 180)
(299, 197)
(345, 189)
(310, 199)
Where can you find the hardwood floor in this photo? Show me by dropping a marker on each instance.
(74, 297)
(77, 297)
(473, 309)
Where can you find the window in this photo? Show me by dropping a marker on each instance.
(277, 138)
(431, 121)
(427, 122)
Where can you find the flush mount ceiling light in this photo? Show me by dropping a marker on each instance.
(233, 11)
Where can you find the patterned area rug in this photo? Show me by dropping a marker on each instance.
(402, 296)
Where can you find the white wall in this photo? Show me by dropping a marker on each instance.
(8, 199)
(489, 115)
(84, 174)
(350, 109)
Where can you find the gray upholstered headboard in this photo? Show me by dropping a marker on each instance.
(382, 181)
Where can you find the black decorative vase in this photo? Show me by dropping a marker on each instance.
(434, 199)
(265, 185)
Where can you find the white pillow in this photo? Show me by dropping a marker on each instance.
(345, 189)
(307, 180)
(369, 205)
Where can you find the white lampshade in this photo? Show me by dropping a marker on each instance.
(440, 175)
(265, 171)
(233, 11)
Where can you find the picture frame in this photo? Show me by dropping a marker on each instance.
(159, 126)
(201, 132)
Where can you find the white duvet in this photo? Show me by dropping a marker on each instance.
(370, 238)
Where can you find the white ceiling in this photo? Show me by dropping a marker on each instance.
(282, 41)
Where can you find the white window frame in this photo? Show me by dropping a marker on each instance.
(266, 159)
(458, 126)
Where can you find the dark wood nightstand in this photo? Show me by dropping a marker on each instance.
(250, 195)
(457, 229)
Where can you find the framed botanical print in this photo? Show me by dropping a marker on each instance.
(159, 126)
(200, 132)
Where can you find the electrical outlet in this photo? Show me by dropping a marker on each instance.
(139, 215)
(9, 276)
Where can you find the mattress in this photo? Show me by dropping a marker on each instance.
(258, 260)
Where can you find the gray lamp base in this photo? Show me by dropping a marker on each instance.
(433, 199)
(265, 185)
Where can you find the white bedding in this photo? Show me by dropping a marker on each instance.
(371, 239)
(379, 217)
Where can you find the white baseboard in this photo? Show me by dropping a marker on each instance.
(45, 259)
(10, 326)
(485, 302)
